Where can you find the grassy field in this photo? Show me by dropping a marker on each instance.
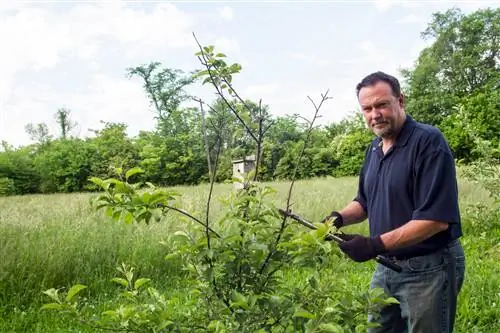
(57, 240)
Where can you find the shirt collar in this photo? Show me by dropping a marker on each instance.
(404, 134)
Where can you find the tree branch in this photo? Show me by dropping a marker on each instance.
(219, 91)
(204, 130)
(183, 212)
(283, 225)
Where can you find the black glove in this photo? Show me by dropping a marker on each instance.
(338, 221)
(360, 248)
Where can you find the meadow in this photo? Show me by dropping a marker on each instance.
(58, 240)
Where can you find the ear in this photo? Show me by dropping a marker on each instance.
(401, 100)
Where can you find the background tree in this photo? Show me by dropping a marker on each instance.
(65, 123)
(460, 67)
(38, 133)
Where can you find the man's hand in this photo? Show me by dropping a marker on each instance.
(360, 248)
(337, 219)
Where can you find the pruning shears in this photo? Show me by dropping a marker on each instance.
(380, 259)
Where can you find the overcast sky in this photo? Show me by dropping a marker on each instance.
(74, 54)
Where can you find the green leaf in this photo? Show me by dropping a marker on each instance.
(220, 55)
(391, 300)
(313, 282)
(110, 313)
(52, 293)
(52, 306)
(216, 326)
(207, 80)
(140, 282)
(99, 182)
(239, 300)
(235, 68)
(121, 281)
(129, 218)
(304, 314)
(116, 215)
(109, 211)
(331, 328)
(74, 290)
(132, 172)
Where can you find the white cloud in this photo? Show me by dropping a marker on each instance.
(257, 91)
(299, 56)
(410, 18)
(108, 99)
(226, 13)
(9, 6)
(309, 58)
(227, 45)
(80, 42)
(137, 31)
(367, 46)
(38, 37)
(369, 54)
(384, 5)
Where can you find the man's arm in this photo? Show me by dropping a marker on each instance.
(412, 233)
(353, 213)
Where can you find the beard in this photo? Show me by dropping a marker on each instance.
(384, 128)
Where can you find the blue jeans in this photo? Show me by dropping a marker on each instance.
(426, 289)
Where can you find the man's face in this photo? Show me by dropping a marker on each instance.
(383, 112)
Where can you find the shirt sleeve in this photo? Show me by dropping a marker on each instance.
(361, 195)
(435, 188)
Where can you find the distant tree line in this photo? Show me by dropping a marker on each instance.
(454, 84)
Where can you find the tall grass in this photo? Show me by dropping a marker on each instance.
(58, 240)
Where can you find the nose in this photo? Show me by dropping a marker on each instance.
(376, 113)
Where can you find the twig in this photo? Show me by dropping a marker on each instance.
(324, 97)
(183, 212)
(221, 94)
(259, 142)
(204, 129)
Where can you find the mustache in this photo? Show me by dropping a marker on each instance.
(380, 123)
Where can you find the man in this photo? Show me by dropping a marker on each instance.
(408, 191)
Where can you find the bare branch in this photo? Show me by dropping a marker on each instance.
(324, 97)
(204, 130)
(237, 95)
(183, 212)
(212, 182)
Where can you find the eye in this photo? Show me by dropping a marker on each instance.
(382, 105)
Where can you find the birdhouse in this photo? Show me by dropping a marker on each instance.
(242, 167)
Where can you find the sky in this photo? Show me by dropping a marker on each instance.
(74, 54)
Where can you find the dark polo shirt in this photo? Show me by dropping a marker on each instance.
(414, 180)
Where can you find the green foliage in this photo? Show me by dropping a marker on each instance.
(234, 267)
(18, 166)
(349, 145)
(459, 67)
(113, 148)
(458, 70)
(123, 201)
(236, 272)
(65, 123)
(472, 125)
(164, 87)
(65, 166)
(223, 71)
(7, 186)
